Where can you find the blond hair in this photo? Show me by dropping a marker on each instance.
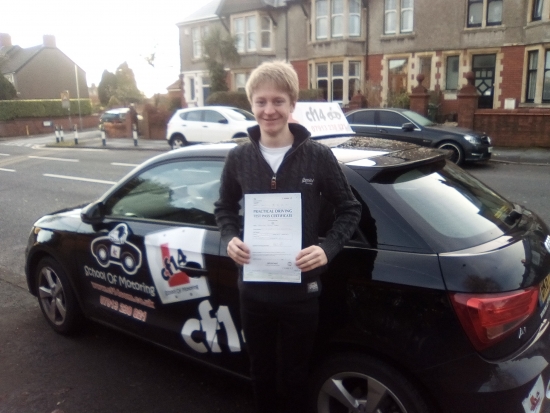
(279, 73)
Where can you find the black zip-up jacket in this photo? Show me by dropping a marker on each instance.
(309, 168)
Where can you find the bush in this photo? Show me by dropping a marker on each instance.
(14, 109)
(310, 95)
(235, 99)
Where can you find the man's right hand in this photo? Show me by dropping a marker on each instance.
(238, 251)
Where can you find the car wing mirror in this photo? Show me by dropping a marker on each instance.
(223, 121)
(407, 127)
(93, 213)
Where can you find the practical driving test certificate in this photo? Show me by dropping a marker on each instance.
(273, 232)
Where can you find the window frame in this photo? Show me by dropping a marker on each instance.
(536, 73)
(483, 13)
(457, 57)
(537, 10)
(346, 77)
(398, 11)
(244, 44)
(325, 23)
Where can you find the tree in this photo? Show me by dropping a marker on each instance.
(127, 91)
(107, 87)
(7, 90)
(219, 51)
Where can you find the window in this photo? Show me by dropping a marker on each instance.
(197, 35)
(483, 13)
(451, 73)
(398, 16)
(537, 75)
(192, 88)
(391, 119)
(182, 192)
(537, 10)
(338, 81)
(337, 18)
(214, 117)
(240, 81)
(194, 116)
(397, 77)
(532, 63)
(425, 67)
(246, 30)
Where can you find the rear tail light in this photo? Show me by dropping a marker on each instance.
(489, 318)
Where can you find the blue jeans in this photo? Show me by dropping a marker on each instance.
(291, 328)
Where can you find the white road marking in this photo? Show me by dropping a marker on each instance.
(4, 154)
(54, 159)
(76, 178)
(7, 170)
(124, 164)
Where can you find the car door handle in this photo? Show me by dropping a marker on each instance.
(204, 126)
(194, 272)
(382, 131)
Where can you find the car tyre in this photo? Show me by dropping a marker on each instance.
(178, 141)
(56, 298)
(354, 383)
(457, 153)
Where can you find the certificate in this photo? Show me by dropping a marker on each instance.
(273, 232)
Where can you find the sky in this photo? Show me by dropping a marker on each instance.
(101, 34)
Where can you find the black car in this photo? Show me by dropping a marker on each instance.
(405, 125)
(439, 303)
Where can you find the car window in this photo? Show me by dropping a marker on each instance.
(388, 118)
(448, 207)
(182, 192)
(418, 119)
(194, 115)
(213, 116)
(239, 114)
(363, 118)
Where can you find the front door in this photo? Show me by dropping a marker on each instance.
(483, 67)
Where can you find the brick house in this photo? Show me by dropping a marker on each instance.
(379, 47)
(41, 72)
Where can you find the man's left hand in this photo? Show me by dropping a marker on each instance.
(310, 258)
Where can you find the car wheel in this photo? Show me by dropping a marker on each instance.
(357, 383)
(102, 254)
(56, 297)
(177, 141)
(457, 153)
(128, 262)
(240, 135)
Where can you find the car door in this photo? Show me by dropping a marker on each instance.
(151, 266)
(363, 123)
(216, 127)
(191, 125)
(390, 125)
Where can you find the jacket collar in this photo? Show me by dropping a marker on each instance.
(301, 134)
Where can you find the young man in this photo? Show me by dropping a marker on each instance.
(280, 158)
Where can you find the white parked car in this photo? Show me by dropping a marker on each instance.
(208, 124)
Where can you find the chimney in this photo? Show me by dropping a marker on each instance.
(5, 40)
(49, 41)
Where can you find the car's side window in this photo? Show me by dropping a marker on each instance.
(391, 119)
(183, 192)
(364, 118)
(213, 116)
(194, 116)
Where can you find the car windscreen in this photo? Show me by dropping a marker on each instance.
(418, 119)
(448, 207)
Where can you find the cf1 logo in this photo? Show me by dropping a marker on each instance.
(198, 332)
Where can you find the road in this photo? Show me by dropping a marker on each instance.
(101, 370)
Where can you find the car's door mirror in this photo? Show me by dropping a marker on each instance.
(223, 121)
(407, 127)
(93, 213)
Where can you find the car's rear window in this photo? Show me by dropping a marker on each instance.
(448, 207)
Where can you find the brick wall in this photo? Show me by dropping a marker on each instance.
(301, 69)
(512, 73)
(515, 128)
(35, 126)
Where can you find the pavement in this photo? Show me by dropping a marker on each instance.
(92, 139)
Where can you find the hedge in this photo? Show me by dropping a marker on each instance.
(44, 108)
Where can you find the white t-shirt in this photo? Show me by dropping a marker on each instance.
(274, 156)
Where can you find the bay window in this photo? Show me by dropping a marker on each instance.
(338, 80)
(398, 16)
(482, 13)
(337, 18)
(537, 76)
(248, 29)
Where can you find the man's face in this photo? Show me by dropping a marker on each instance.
(272, 108)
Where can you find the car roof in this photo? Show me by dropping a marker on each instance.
(218, 107)
(117, 110)
(400, 110)
(357, 152)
